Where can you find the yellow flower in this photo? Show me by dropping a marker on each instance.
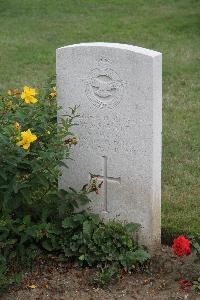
(48, 132)
(53, 92)
(74, 140)
(71, 141)
(26, 139)
(28, 95)
(32, 286)
(13, 92)
(17, 126)
(9, 104)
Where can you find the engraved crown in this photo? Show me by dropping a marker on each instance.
(104, 62)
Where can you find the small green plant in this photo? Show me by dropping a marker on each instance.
(195, 245)
(7, 278)
(196, 284)
(36, 218)
(109, 246)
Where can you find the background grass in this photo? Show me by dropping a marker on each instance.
(30, 32)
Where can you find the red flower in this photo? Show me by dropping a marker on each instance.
(181, 246)
(185, 284)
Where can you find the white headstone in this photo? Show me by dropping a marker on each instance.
(119, 90)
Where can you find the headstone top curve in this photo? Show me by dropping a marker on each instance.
(127, 47)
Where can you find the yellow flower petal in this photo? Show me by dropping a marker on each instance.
(26, 146)
(26, 89)
(23, 95)
(33, 92)
(17, 126)
(27, 99)
(19, 143)
(32, 286)
(53, 92)
(33, 100)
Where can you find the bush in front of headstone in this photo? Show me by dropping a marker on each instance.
(36, 218)
(32, 149)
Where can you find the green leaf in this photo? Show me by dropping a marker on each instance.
(3, 174)
(141, 255)
(62, 164)
(68, 223)
(43, 180)
(79, 217)
(87, 228)
(27, 220)
(132, 227)
(46, 244)
(82, 257)
(196, 245)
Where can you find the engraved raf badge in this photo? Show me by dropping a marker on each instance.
(104, 88)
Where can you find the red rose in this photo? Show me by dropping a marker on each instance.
(181, 246)
(185, 284)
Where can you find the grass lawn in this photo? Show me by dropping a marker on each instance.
(30, 31)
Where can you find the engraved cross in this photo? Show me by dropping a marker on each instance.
(107, 179)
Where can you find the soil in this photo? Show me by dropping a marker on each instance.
(158, 281)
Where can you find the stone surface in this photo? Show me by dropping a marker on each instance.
(119, 90)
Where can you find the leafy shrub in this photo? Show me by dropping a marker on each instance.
(34, 216)
(28, 176)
